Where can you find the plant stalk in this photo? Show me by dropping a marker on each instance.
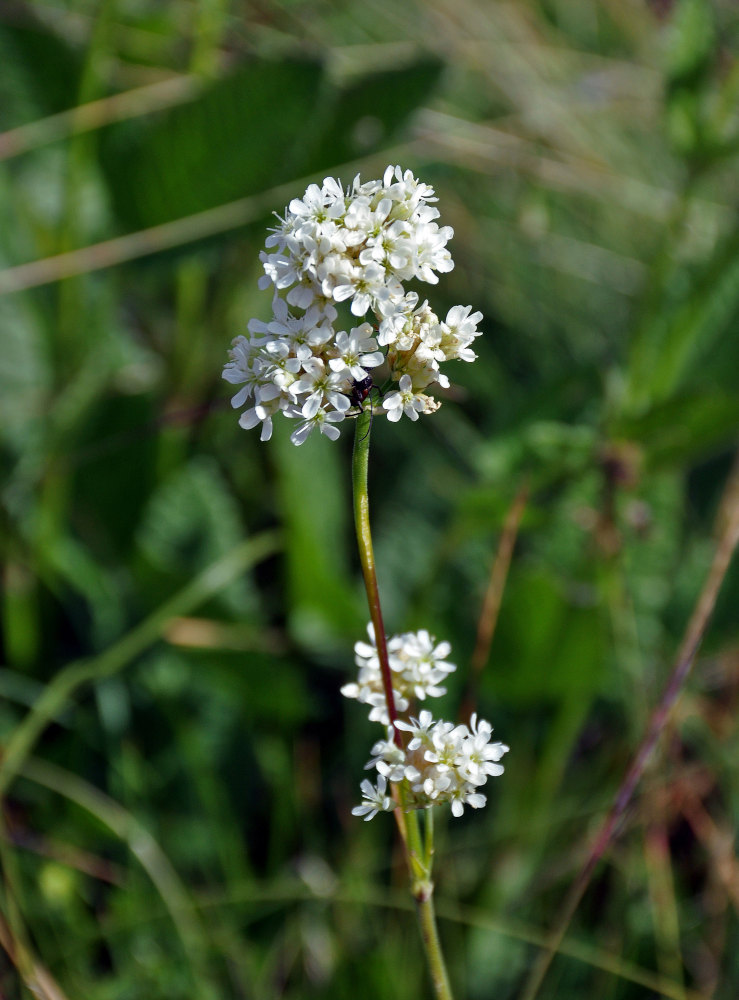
(360, 465)
(419, 853)
(434, 956)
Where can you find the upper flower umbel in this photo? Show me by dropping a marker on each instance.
(356, 247)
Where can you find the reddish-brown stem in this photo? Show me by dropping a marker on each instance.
(494, 597)
(360, 465)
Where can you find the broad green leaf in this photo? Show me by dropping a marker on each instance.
(669, 346)
(548, 642)
(261, 125)
(368, 113)
(244, 133)
(40, 74)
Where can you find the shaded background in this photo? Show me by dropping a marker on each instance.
(180, 825)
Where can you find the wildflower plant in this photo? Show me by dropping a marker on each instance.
(315, 362)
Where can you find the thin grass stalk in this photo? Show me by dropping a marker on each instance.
(166, 235)
(493, 599)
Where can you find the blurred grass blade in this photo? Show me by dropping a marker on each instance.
(671, 344)
(41, 73)
(144, 848)
(36, 976)
(58, 691)
(201, 154)
(96, 114)
(164, 237)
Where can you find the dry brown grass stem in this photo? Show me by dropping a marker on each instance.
(717, 842)
(727, 523)
(128, 104)
(493, 597)
(179, 232)
(36, 976)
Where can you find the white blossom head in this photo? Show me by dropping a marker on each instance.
(418, 665)
(357, 247)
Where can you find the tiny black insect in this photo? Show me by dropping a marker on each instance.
(361, 388)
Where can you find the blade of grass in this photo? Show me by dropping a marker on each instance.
(38, 978)
(484, 148)
(95, 114)
(61, 688)
(289, 892)
(144, 242)
(142, 845)
(661, 885)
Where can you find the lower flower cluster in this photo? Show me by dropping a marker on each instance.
(441, 761)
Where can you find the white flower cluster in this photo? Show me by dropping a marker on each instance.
(418, 666)
(442, 762)
(356, 246)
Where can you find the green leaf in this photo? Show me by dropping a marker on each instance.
(263, 124)
(367, 114)
(76, 567)
(546, 645)
(190, 521)
(668, 348)
(25, 374)
(690, 38)
(241, 135)
(685, 428)
(40, 75)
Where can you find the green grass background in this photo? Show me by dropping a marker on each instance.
(180, 601)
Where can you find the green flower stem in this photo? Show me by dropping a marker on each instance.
(419, 851)
(434, 956)
(360, 464)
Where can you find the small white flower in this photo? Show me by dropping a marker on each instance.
(404, 400)
(417, 664)
(262, 412)
(458, 331)
(321, 385)
(374, 800)
(430, 253)
(419, 729)
(324, 420)
(442, 762)
(356, 352)
(361, 284)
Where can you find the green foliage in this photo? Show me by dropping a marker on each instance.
(180, 766)
(42, 73)
(201, 154)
